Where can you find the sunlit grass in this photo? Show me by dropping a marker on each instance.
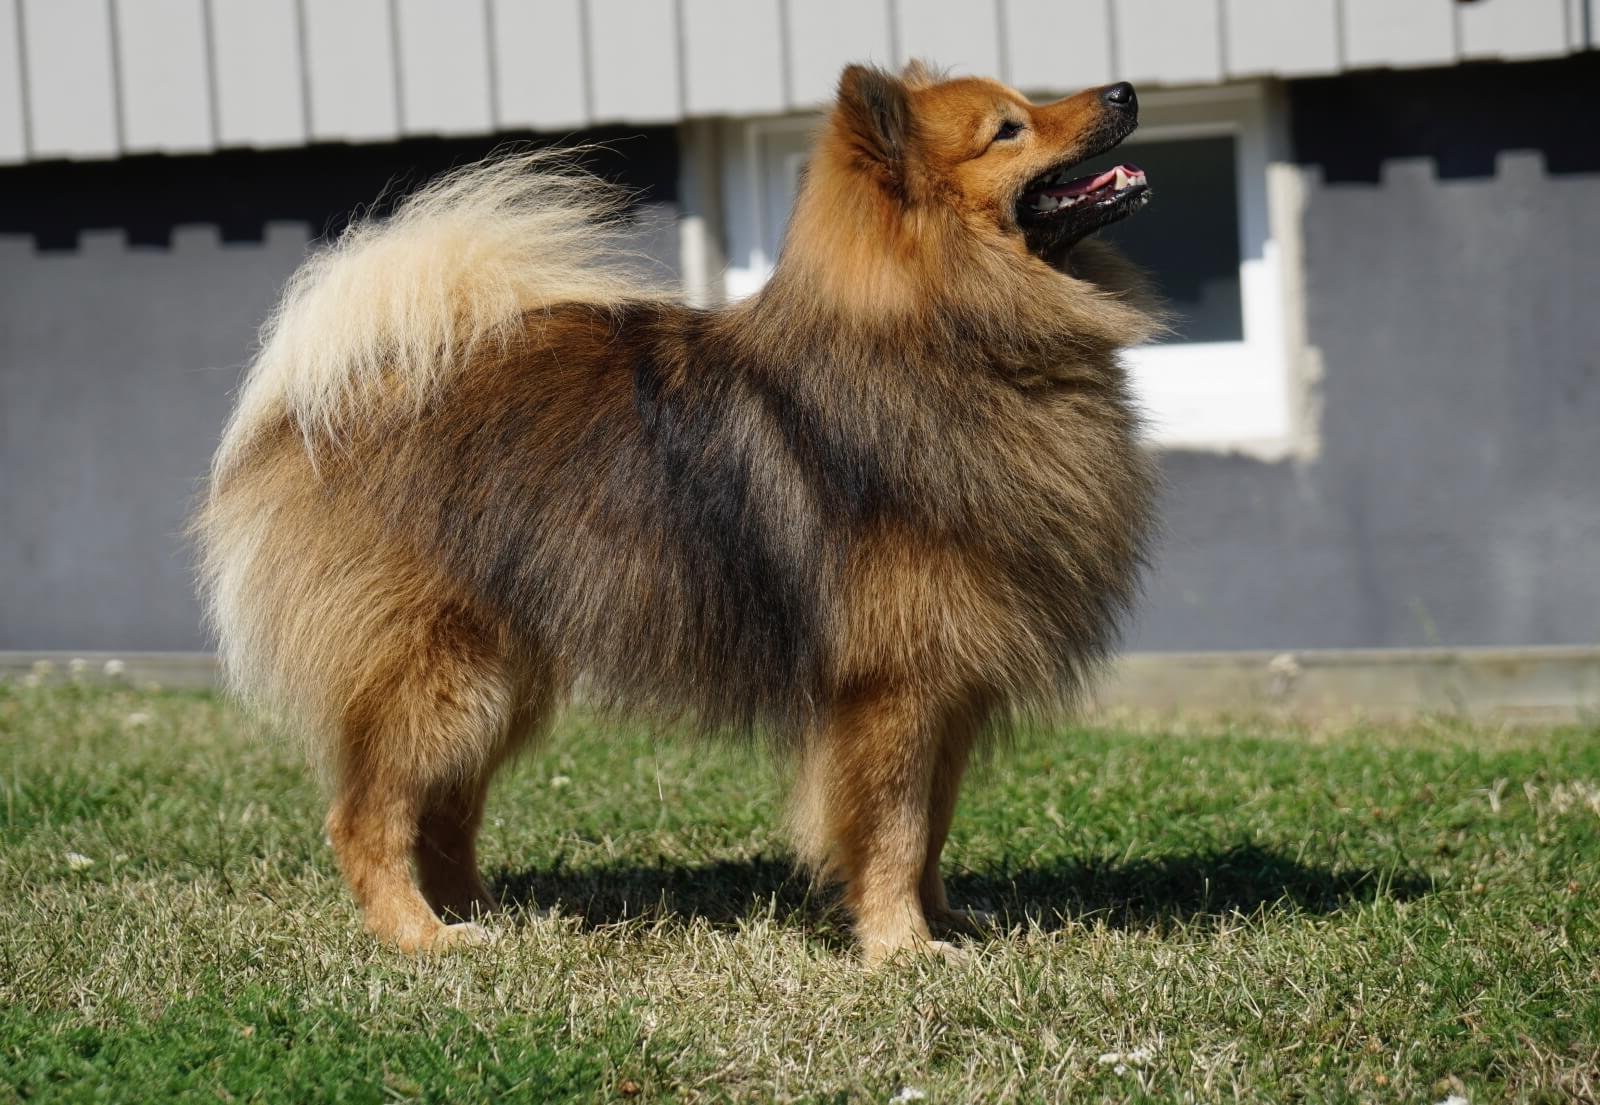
(1222, 912)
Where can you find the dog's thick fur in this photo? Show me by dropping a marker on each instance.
(891, 498)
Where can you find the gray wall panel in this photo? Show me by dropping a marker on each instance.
(961, 35)
(350, 66)
(1057, 46)
(1512, 28)
(71, 91)
(539, 60)
(155, 337)
(259, 73)
(1393, 34)
(733, 57)
(444, 67)
(1281, 37)
(1168, 41)
(1454, 499)
(633, 61)
(164, 76)
(13, 123)
(818, 52)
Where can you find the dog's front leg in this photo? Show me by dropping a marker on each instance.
(881, 748)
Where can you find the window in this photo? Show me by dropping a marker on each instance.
(1222, 379)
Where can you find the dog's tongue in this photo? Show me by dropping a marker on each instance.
(1083, 185)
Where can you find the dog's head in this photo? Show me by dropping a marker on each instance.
(981, 152)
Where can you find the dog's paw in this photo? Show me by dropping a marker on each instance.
(882, 954)
(465, 934)
(438, 938)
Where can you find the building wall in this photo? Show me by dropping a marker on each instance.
(130, 294)
(1451, 222)
(1451, 229)
(89, 78)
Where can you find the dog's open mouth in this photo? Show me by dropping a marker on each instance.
(1056, 212)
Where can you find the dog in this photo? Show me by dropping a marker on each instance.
(874, 512)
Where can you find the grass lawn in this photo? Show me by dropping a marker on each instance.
(1239, 912)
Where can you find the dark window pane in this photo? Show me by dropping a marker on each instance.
(1188, 238)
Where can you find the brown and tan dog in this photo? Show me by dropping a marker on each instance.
(873, 511)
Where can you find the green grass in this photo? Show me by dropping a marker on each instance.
(1271, 914)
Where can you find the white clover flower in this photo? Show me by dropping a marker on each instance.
(559, 781)
(43, 668)
(115, 669)
(78, 861)
(1455, 1099)
(906, 1094)
(137, 720)
(77, 666)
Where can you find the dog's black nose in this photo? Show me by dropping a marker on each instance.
(1120, 95)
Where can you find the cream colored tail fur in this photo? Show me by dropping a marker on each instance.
(394, 306)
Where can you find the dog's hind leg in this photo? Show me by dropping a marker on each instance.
(447, 829)
(422, 725)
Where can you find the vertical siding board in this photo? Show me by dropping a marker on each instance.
(1512, 28)
(539, 64)
(259, 73)
(1388, 33)
(71, 93)
(1284, 37)
(633, 61)
(1057, 45)
(350, 68)
(164, 75)
(444, 66)
(733, 57)
(1169, 41)
(960, 35)
(818, 52)
(13, 125)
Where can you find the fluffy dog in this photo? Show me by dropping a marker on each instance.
(871, 512)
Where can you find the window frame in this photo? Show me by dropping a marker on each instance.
(1232, 396)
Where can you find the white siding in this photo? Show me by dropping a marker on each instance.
(258, 72)
(1395, 34)
(633, 59)
(444, 67)
(961, 35)
(1512, 28)
(1168, 41)
(818, 52)
(733, 57)
(94, 78)
(1058, 45)
(13, 125)
(539, 64)
(1281, 37)
(71, 93)
(164, 75)
(350, 67)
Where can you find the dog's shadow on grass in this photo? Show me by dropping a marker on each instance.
(1180, 891)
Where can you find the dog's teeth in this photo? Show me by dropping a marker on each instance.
(1044, 203)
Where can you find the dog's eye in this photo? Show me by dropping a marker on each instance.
(1008, 130)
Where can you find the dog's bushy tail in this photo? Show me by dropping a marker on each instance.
(391, 308)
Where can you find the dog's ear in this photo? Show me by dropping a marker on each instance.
(920, 74)
(875, 111)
